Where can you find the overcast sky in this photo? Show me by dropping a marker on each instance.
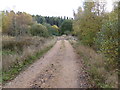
(45, 7)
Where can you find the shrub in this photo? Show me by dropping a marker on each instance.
(39, 30)
(66, 26)
(107, 42)
(96, 67)
(53, 30)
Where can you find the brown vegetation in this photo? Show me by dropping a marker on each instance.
(17, 51)
(96, 67)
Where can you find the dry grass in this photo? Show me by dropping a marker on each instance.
(95, 65)
(24, 47)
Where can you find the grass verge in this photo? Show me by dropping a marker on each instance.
(18, 67)
(96, 67)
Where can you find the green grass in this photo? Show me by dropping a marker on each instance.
(0, 76)
(7, 52)
(16, 68)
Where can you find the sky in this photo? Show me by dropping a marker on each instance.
(45, 7)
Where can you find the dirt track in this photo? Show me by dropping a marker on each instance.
(59, 68)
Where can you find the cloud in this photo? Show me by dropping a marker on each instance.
(43, 7)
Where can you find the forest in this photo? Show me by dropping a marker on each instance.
(26, 38)
(20, 23)
(99, 30)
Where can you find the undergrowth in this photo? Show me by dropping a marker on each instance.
(17, 67)
(96, 67)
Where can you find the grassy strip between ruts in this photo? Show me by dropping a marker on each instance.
(15, 70)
